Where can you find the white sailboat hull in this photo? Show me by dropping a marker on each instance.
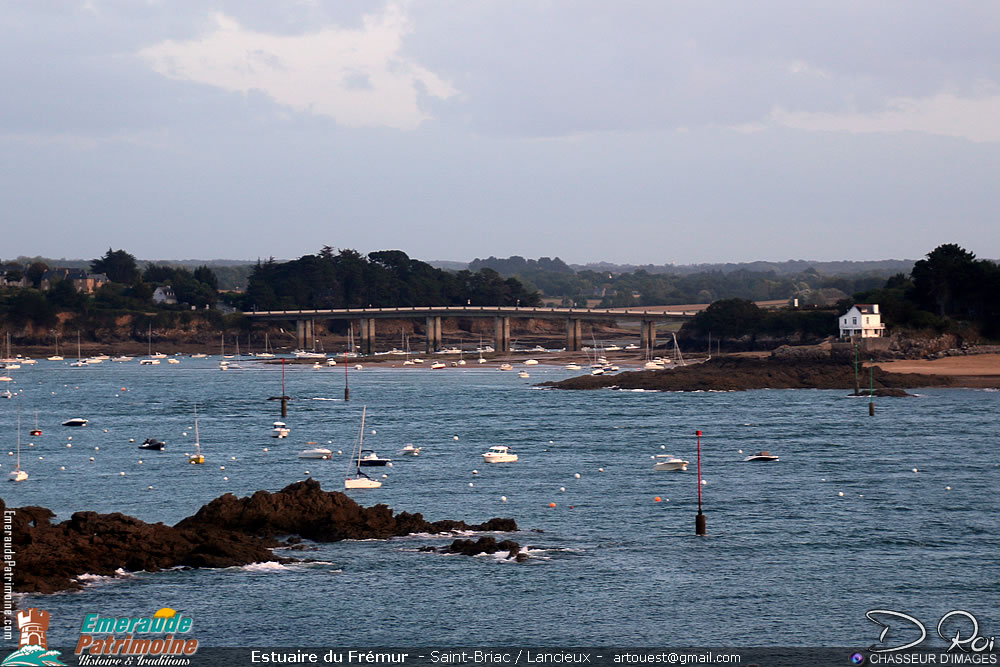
(361, 483)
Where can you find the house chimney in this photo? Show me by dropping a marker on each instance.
(875, 308)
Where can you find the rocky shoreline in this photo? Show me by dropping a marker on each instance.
(227, 532)
(739, 374)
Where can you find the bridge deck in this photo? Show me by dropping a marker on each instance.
(473, 311)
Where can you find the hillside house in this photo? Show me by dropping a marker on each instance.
(862, 320)
(164, 294)
(79, 278)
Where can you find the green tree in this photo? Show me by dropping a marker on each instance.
(943, 281)
(118, 265)
(34, 273)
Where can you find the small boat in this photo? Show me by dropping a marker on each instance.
(200, 355)
(152, 443)
(197, 458)
(523, 374)
(76, 421)
(670, 462)
(359, 480)
(372, 459)
(437, 365)
(505, 367)
(572, 367)
(763, 455)
(171, 361)
(531, 362)
(499, 454)
(35, 432)
(418, 361)
(18, 475)
(409, 450)
(315, 452)
(358, 367)
(280, 430)
(159, 355)
(122, 358)
(304, 354)
(149, 362)
(331, 362)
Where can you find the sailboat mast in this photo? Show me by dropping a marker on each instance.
(361, 440)
(197, 440)
(19, 436)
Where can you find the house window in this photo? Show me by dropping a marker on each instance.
(854, 320)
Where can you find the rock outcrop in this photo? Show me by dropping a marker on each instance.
(738, 374)
(227, 532)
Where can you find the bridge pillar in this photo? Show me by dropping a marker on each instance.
(501, 342)
(573, 335)
(366, 335)
(647, 334)
(300, 334)
(433, 334)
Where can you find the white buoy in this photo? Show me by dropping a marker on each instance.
(184, 432)
(475, 472)
(122, 473)
(339, 451)
(823, 480)
(562, 489)
(373, 431)
(150, 488)
(140, 461)
(62, 467)
(914, 470)
(307, 472)
(740, 451)
(389, 464)
(503, 499)
(471, 484)
(385, 477)
(840, 493)
(329, 442)
(131, 439)
(947, 488)
(232, 458)
(69, 437)
(96, 449)
(600, 470)
(225, 479)
(455, 437)
(91, 458)
(577, 475)
(265, 449)
(105, 430)
(41, 458)
(68, 444)
(663, 446)
(704, 481)
(10, 453)
(222, 467)
(550, 442)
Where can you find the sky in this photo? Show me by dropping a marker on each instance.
(643, 132)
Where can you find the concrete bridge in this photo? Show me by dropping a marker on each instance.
(305, 321)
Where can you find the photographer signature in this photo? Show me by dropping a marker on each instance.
(971, 642)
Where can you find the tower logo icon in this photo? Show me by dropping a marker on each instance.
(32, 649)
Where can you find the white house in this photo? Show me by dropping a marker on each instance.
(164, 294)
(864, 320)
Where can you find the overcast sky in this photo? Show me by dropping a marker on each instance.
(641, 132)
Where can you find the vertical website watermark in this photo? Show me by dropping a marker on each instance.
(8, 573)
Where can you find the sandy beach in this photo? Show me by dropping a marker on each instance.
(985, 366)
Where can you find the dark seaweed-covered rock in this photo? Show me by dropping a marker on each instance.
(227, 532)
(484, 545)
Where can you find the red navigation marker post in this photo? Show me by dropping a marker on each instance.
(284, 398)
(347, 389)
(699, 521)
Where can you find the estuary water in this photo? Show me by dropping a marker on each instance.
(797, 550)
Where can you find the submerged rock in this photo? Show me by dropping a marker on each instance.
(227, 532)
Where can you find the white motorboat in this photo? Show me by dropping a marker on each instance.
(499, 454)
(122, 358)
(531, 362)
(505, 367)
(149, 362)
(199, 355)
(762, 456)
(523, 374)
(315, 452)
(76, 421)
(304, 354)
(280, 430)
(158, 355)
(359, 480)
(670, 462)
(573, 367)
(409, 450)
(331, 362)
(654, 366)
(438, 365)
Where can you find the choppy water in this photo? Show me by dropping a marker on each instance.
(788, 560)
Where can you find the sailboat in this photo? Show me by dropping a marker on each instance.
(79, 357)
(56, 356)
(18, 475)
(360, 480)
(150, 360)
(197, 457)
(9, 361)
(35, 432)
(406, 346)
(481, 359)
(266, 354)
